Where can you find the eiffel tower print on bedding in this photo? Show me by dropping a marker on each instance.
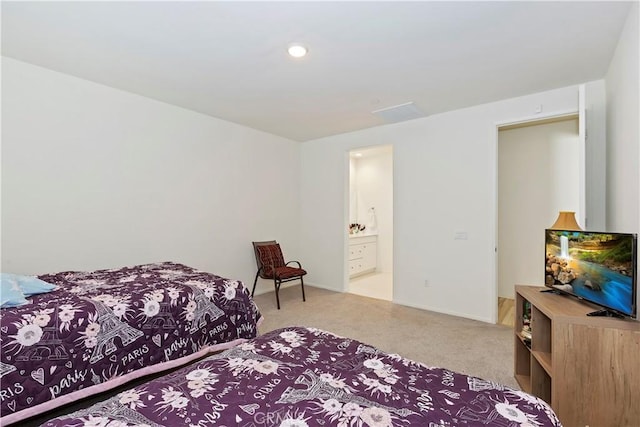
(299, 376)
(100, 329)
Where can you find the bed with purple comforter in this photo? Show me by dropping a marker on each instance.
(307, 377)
(101, 329)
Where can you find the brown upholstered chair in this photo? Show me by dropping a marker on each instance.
(271, 266)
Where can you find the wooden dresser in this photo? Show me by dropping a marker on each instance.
(587, 368)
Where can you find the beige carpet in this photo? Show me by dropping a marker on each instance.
(467, 346)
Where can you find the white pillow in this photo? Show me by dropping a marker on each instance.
(10, 293)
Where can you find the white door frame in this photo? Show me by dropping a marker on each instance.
(494, 190)
(347, 205)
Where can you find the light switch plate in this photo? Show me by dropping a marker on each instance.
(460, 235)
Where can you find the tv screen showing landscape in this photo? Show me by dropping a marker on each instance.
(597, 267)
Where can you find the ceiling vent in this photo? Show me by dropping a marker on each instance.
(399, 113)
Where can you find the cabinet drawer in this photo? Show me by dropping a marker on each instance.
(355, 267)
(355, 252)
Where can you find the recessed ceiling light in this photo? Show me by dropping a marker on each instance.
(297, 50)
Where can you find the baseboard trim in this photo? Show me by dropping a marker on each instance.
(447, 312)
(266, 288)
(328, 288)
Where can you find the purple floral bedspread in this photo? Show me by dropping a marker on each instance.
(307, 377)
(98, 326)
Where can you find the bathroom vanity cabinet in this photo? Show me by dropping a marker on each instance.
(363, 254)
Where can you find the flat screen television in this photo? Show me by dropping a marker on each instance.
(597, 267)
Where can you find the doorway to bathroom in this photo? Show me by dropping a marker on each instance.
(370, 222)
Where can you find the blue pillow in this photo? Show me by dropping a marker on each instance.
(29, 285)
(10, 293)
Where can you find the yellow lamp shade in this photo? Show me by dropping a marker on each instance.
(566, 221)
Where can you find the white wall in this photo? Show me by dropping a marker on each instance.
(444, 181)
(538, 176)
(373, 175)
(623, 135)
(94, 177)
(353, 192)
(623, 132)
(595, 156)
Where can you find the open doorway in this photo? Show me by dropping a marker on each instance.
(370, 222)
(538, 176)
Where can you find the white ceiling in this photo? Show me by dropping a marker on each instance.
(228, 59)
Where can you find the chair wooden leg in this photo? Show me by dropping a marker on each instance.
(302, 285)
(277, 286)
(254, 284)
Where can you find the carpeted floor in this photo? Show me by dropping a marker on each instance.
(462, 345)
